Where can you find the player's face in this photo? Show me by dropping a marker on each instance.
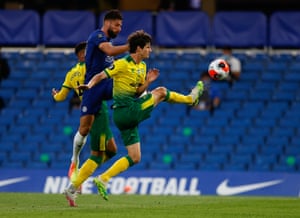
(115, 27)
(145, 52)
(81, 56)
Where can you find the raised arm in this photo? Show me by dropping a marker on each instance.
(95, 80)
(151, 76)
(112, 50)
(60, 95)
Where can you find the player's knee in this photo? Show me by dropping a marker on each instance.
(84, 130)
(136, 158)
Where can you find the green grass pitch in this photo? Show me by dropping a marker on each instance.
(146, 206)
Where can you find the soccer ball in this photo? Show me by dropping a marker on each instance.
(218, 69)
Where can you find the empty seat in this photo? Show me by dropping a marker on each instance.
(224, 149)
(210, 166)
(204, 141)
(159, 166)
(235, 167)
(185, 166)
(216, 158)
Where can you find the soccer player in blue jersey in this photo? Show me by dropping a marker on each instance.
(102, 142)
(130, 106)
(99, 55)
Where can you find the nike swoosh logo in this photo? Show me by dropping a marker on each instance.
(13, 181)
(225, 190)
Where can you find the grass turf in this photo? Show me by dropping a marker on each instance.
(146, 206)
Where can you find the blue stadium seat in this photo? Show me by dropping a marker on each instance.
(204, 141)
(276, 149)
(60, 164)
(271, 75)
(254, 67)
(24, 156)
(283, 131)
(292, 149)
(245, 158)
(288, 86)
(185, 166)
(159, 166)
(277, 140)
(222, 148)
(293, 76)
(141, 166)
(284, 168)
(210, 166)
(235, 167)
(265, 122)
(37, 165)
(216, 158)
(284, 96)
(275, 67)
(191, 157)
(253, 139)
(174, 148)
(28, 147)
(198, 149)
(7, 147)
(259, 167)
(294, 66)
(13, 165)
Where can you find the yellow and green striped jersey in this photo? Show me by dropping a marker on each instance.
(127, 77)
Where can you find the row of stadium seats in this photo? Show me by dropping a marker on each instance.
(255, 129)
(171, 29)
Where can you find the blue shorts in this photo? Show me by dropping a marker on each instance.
(92, 98)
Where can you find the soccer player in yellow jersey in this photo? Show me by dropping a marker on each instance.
(103, 145)
(130, 80)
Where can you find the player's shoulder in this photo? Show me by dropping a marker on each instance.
(98, 35)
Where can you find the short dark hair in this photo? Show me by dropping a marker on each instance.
(80, 46)
(113, 15)
(138, 38)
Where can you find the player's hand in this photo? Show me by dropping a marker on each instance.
(54, 92)
(83, 87)
(152, 75)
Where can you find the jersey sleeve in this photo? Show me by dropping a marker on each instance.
(62, 94)
(115, 68)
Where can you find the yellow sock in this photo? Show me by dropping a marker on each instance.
(87, 169)
(119, 166)
(175, 97)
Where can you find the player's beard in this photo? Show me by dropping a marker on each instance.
(111, 34)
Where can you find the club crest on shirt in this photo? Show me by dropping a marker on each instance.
(111, 67)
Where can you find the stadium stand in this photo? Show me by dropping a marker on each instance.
(256, 127)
